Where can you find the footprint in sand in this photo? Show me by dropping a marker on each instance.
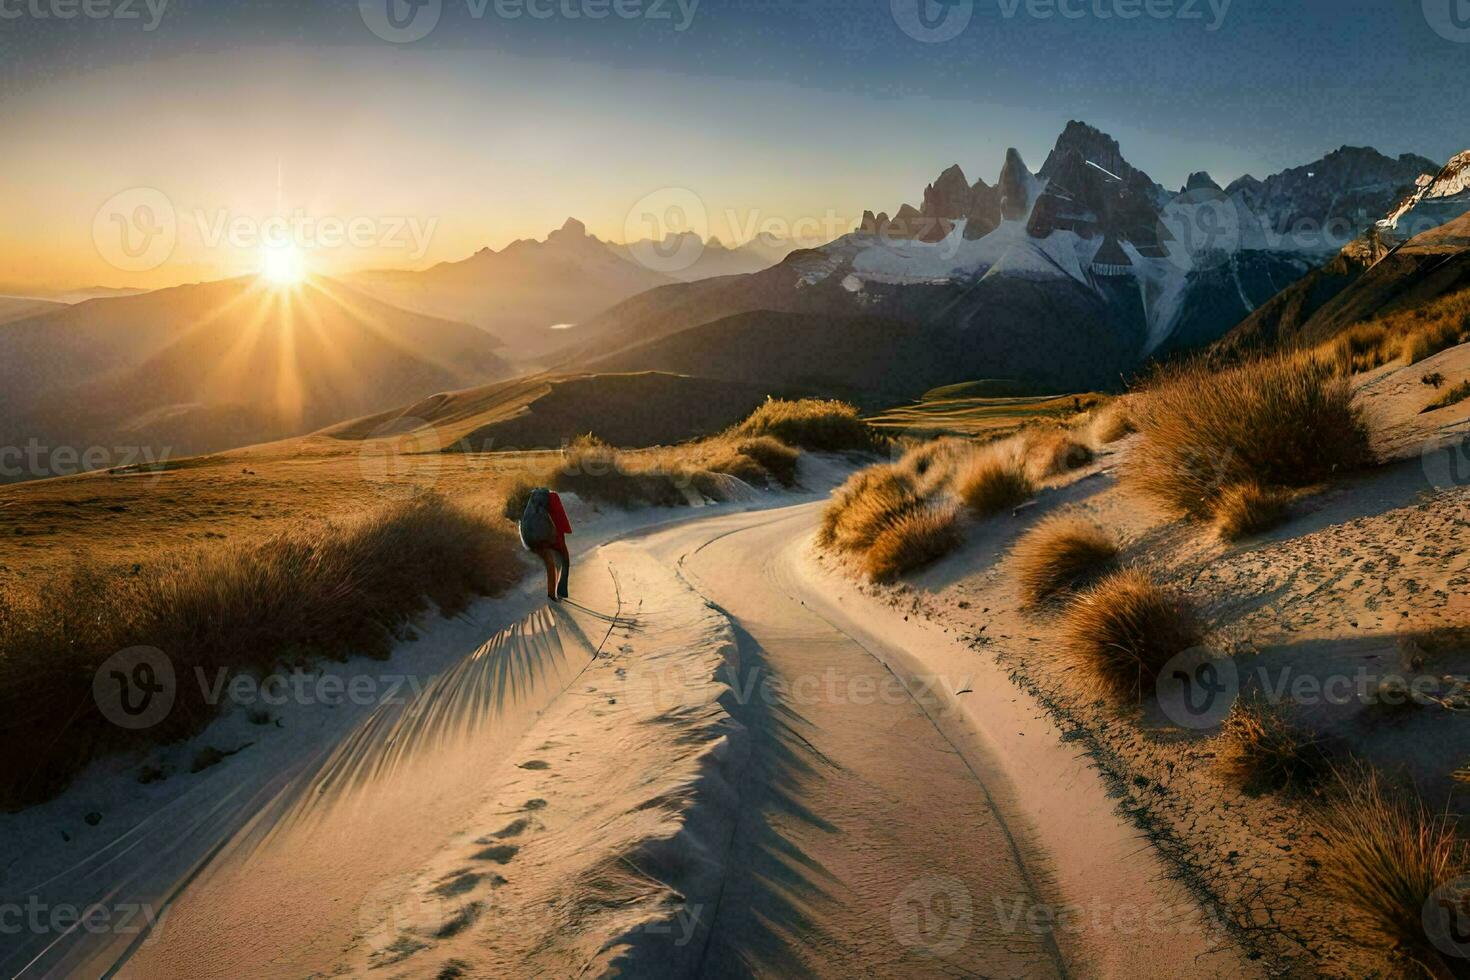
(534, 764)
(513, 829)
(458, 922)
(457, 884)
(499, 853)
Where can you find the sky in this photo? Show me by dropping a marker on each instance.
(151, 142)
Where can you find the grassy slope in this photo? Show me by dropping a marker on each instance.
(957, 410)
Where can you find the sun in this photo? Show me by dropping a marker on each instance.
(281, 265)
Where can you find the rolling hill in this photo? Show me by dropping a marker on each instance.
(1359, 284)
(209, 366)
(547, 411)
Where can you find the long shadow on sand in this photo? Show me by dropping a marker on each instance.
(204, 829)
(760, 920)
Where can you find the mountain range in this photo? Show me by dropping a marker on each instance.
(532, 294)
(1067, 277)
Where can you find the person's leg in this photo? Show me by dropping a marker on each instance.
(566, 570)
(546, 556)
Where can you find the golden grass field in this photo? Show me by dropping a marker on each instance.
(974, 410)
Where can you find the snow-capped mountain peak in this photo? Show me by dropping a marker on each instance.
(1436, 199)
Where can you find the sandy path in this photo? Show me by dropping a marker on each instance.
(751, 779)
(865, 842)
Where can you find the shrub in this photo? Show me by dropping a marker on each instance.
(1050, 452)
(822, 426)
(1112, 422)
(1284, 421)
(1260, 752)
(1361, 348)
(1411, 335)
(325, 590)
(727, 459)
(777, 458)
(992, 482)
(1382, 856)
(1119, 634)
(913, 539)
(1455, 394)
(1060, 553)
(1248, 508)
(861, 508)
(1430, 340)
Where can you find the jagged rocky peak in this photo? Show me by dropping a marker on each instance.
(1200, 180)
(571, 229)
(983, 215)
(1088, 142)
(1346, 190)
(948, 196)
(1014, 186)
(1095, 147)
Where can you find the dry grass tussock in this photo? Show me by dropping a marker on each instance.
(926, 494)
(671, 477)
(991, 483)
(1119, 634)
(815, 424)
(1111, 422)
(1383, 860)
(320, 590)
(1248, 508)
(1260, 752)
(1279, 421)
(1060, 553)
(913, 539)
(1409, 336)
(1053, 451)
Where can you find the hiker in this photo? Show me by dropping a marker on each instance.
(544, 527)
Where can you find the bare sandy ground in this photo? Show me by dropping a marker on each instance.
(1313, 614)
